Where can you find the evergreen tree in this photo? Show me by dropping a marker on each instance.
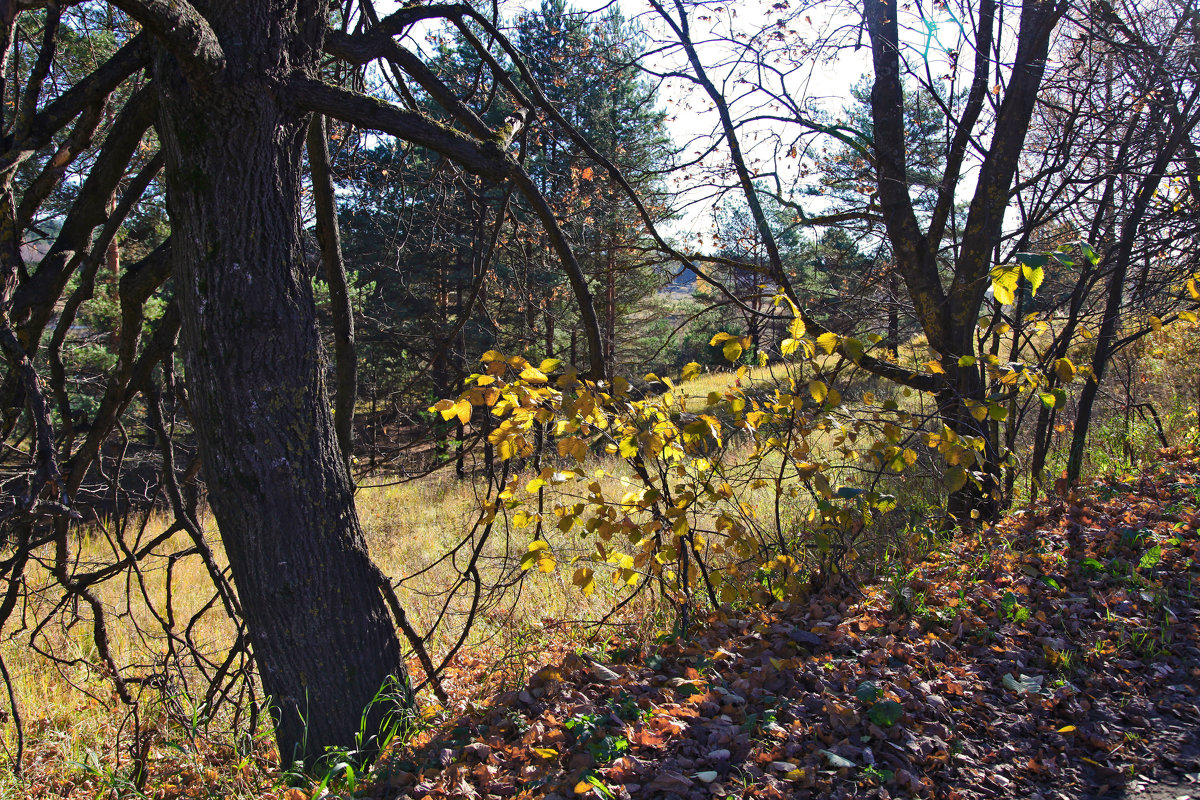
(587, 69)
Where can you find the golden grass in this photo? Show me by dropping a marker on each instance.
(74, 721)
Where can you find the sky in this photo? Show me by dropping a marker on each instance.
(824, 84)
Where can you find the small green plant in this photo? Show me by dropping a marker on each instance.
(1144, 644)
(1151, 558)
(587, 729)
(867, 692)
(608, 748)
(341, 769)
(903, 600)
(582, 726)
(591, 779)
(109, 781)
(626, 708)
(1012, 610)
(875, 775)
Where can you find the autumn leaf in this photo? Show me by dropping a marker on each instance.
(1064, 369)
(828, 342)
(585, 580)
(533, 375)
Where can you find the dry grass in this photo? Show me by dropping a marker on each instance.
(76, 729)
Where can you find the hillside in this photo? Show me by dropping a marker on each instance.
(1052, 656)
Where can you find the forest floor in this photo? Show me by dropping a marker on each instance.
(1055, 655)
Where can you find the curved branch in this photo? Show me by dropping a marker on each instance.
(184, 31)
(484, 158)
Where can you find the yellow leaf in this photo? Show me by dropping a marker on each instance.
(818, 390)
(956, 478)
(853, 349)
(443, 407)
(1065, 370)
(533, 375)
(492, 355)
(539, 555)
(546, 752)
(1193, 290)
(1067, 729)
(1004, 283)
(550, 364)
(690, 372)
(1035, 275)
(935, 366)
(583, 787)
(828, 341)
(463, 409)
(628, 447)
(732, 350)
(573, 446)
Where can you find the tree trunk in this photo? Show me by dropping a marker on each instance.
(972, 503)
(610, 310)
(893, 327)
(279, 488)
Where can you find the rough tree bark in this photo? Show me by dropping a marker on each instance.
(278, 484)
(234, 85)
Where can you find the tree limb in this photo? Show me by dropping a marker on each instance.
(329, 240)
(484, 158)
(184, 31)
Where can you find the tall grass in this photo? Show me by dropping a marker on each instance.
(76, 729)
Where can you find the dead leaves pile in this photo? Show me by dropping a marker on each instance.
(1053, 654)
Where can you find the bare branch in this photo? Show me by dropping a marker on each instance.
(329, 239)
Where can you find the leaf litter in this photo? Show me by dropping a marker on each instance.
(1053, 655)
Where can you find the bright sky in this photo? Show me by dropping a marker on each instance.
(814, 85)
